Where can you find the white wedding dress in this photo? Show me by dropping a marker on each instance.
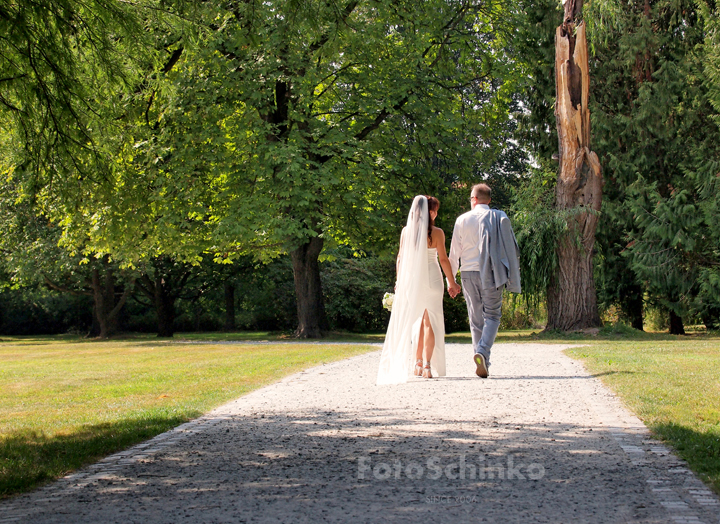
(419, 288)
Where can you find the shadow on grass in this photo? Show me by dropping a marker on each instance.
(606, 373)
(701, 449)
(28, 459)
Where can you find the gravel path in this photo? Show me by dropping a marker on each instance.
(539, 441)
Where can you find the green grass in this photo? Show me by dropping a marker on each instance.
(673, 385)
(66, 402)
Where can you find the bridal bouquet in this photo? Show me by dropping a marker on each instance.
(388, 300)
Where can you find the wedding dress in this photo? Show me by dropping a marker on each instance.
(419, 288)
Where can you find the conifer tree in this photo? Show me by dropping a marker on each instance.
(657, 132)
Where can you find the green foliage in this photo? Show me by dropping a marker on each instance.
(353, 289)
(656, 130)
(533, 45)
(285, 121)
(266, 297)
(620, 329)
(37, 311)
(538, 227)
(520, 313)
(64, 66)
(245, 129)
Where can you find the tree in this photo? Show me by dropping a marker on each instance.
(164, 281)
(32, 256)
(657, 128)
(60, 61)
(556, 210)
(293, 123)
(571, 299)
(69, 71)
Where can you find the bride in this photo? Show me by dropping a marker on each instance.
(417, 328)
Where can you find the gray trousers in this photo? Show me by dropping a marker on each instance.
(484, 310)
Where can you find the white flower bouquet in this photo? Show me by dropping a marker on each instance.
(388, 300)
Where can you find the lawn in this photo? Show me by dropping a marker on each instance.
(66, 402)
(673, 385)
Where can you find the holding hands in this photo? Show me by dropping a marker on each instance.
(453, 288)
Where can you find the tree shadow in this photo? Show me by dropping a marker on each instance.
(337, 466)
(701, 449)
(30, 458)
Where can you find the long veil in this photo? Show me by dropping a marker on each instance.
(397, 356)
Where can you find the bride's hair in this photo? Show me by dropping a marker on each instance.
(433, 205)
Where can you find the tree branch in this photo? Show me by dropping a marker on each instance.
(173, 60)
(385, 113)
(146, 286)
(143, 303)
(49, 283)
(349, 8)
(123, 298)
(381, 117)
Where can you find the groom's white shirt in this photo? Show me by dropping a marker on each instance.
(466, 240)
(483, 241)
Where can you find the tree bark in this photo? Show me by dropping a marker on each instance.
(165, 307)
(107, 310)
(308, 289)
(160, 292)
(636, 315)
(631, 304)
(197, 314)
(572, 301)
(676, 324)
(95, 327)
(229, 306)
(710, 318)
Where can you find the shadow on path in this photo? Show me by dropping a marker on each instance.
(333, 466)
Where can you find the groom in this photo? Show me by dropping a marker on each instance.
(484, 243)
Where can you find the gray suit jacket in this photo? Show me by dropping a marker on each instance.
(483, 241)
(503, 254)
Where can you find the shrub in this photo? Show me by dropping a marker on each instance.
(38, 311)
(353, 290)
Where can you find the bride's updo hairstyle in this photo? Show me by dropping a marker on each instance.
(433, 205)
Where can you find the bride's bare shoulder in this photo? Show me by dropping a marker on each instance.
(437, 237)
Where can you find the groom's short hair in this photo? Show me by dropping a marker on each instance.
(481, 192)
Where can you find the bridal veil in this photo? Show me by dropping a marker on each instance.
(412, 297)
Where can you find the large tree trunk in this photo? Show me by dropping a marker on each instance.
(95, 327)
(163, 298)
(308, 289)
(165, 307)
(572, 301)
(632, 306)
(676, 324)
(229, 306)
(106, 309)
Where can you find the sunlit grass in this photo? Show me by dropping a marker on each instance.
(66, 402)
(673, 386)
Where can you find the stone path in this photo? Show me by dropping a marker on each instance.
(540, 441)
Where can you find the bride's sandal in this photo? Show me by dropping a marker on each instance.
(426, 371)
(418, 367)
